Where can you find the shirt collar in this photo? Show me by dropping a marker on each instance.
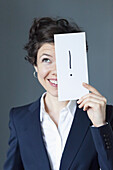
(42, 108)
(71, 107)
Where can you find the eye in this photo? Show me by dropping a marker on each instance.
(46, 60)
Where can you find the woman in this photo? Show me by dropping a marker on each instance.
(50, 134)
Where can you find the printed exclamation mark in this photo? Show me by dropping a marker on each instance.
(70, 61)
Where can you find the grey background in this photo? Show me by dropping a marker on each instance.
(17, 85)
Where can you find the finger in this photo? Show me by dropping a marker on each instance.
(89, 105)
(91, 88)
(94, 100)
(92, 105)
(92, 95)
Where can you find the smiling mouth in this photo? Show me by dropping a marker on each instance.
(54, 83)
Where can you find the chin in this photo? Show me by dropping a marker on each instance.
(53, 94)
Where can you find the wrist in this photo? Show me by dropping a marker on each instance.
(100, 124)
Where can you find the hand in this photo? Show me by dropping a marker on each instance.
(95, 105)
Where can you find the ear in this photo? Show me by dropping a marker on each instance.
(35, 67)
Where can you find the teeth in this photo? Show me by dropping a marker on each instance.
(53, 81)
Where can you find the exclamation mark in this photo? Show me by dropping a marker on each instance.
(70, 61)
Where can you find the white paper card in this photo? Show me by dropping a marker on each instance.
(71, 63)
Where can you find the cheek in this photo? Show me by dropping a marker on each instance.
(43, 72)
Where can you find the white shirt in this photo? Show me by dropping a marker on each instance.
(55, 138)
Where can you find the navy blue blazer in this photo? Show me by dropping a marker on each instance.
(87, 148)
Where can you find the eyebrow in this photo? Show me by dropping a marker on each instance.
(46, 55)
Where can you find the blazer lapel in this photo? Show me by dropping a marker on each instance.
(33, 136)
(76, 136)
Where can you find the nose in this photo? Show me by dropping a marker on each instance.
(54, 71)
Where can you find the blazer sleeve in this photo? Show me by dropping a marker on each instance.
(13, 160)
(103, 140)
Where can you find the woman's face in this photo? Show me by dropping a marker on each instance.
(46, 68)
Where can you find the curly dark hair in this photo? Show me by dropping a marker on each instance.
(43, 30)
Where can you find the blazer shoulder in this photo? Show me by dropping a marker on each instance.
(21, 110)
